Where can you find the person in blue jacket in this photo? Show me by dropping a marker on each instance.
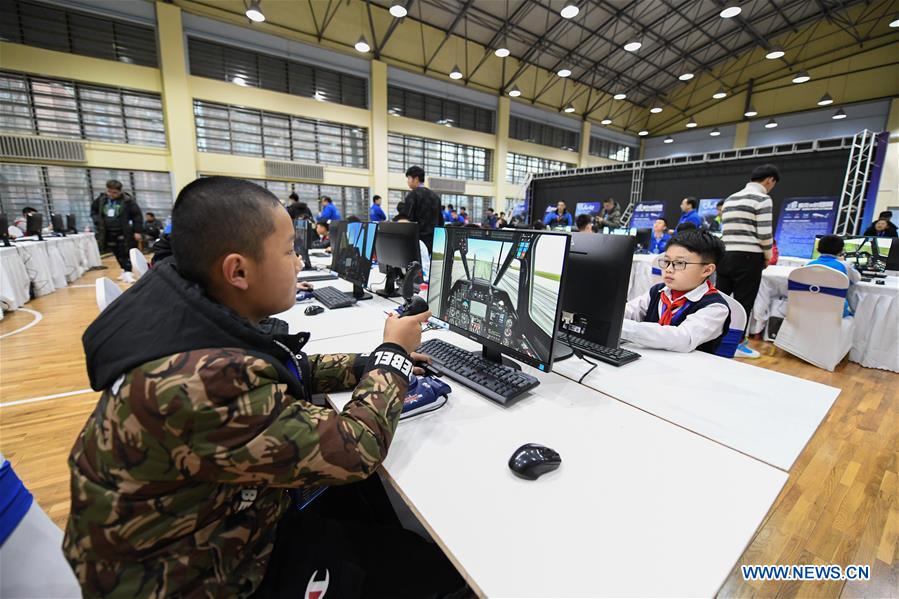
(376, 213)
(329, 211)
(447, 212)
(659, 240)
(560, 217)
(690, 214)
(831, 249)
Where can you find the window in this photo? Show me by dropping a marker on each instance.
(58, 108)
(351, 201)
(610, 149)
(438, 158)
(227, 63)
(519, 165)
(70, 190)
(234, 130)
(543, 134)
(424, 107)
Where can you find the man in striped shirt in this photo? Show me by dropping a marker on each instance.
(747, 234)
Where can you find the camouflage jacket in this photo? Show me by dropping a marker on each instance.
(180, 475)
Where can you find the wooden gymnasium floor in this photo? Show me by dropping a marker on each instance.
(840, 505)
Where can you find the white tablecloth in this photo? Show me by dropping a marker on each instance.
(14, 281)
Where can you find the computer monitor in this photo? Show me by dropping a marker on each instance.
(396, 247)
(302, 241)
(59, 227)
(866, 253)
(501, 288)
(33, 224)
(595, 291)
(71, 226)
(892, 261)
(352, 244)
(4, 230)
(643, 237)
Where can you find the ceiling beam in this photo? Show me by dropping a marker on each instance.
(449, 32)
(390, 30)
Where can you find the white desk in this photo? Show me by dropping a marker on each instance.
(639, 507)
(764, 414)
(14, 281)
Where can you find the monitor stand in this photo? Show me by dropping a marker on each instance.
(359, 293)
(390, 283)
(561, 351)
(498, 357)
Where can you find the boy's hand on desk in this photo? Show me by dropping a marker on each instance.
(405, 332)
(305, 286)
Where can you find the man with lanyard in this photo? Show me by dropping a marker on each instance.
(119, 224)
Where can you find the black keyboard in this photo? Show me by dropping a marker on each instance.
(494, 381)
(319, 255)
(331, 297)
(308, 275)
(610, 355)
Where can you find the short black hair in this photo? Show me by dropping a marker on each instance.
(353, 219)
(28, 210)
(489, 209)
(324, 224)
(293, 196)
(326, 199)
(663, 219)
(416, 172)
(400, 217)
(214, 216)
(685, 226)
(720, 203)
(609, 201)
(582, 221)
(760, 173)
(698, 241)
(830, 244)
(149, 214)
(375, 198)
(692, 201)
(114, 184)
(538, 225)
(295, 211)
(463, 207)
(886, 214)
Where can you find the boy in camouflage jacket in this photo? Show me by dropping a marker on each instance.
(180, 475)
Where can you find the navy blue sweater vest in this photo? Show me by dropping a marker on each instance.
(652, 314)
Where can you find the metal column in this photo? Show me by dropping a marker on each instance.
(861, 153)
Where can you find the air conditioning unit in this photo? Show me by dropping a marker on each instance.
(41, 148)
(294, 170)
(446, 185)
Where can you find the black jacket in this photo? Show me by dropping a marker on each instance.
(131, 218)
(890, 232)
(423, 207)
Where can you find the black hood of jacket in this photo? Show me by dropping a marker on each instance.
(165, 314)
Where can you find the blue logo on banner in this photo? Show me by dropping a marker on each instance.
(801, 219)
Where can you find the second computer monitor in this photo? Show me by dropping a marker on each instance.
(71, 226)
(34, 223)
(59, 226)
(302, 240)
(352, 244)
(595, 293)
(396, 247)
(501, 288)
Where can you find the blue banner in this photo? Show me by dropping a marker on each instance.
(646, 214)
(591, 208)
(800, 221)
(708, 210)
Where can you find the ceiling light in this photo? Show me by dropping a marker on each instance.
(775, 53)
(362, 45)
(239, 80)
(839, 114)
(686, 76)
(455, 73)
(691, 123)
(563, 72)
(620, 96)
(607, 120)
(801, 77)
(502, 52)
(570, 11)
(656, 109)
(669, 140)
(730, 12)
(825, 100)
(254, 12)
(720, 94)
(514, 92)
(398, 10)
(751, 111)
(632, 46)
(894, 23)
(715, 132)
(771, 124)
(642, 132)
(568, 108)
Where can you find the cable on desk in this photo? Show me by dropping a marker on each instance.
(594, 365)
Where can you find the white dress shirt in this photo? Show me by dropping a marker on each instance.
(697, 328)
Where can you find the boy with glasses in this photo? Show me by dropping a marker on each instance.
(685, 312)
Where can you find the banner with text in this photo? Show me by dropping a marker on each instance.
(646, 213)
(800, 221)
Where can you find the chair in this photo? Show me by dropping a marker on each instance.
(734, 334)
(107, 291)
(139, 264)
(814, 328)
(31, 559)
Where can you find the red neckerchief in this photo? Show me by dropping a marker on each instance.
(671, 307)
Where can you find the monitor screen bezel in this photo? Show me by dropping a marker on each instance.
(499, 347)
(336, 233)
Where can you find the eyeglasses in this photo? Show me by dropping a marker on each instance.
(664, 263)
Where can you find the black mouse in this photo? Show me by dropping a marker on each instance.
(313, 310)
(530, 461)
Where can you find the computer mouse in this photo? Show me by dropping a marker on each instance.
(530, 461)
(313, 310)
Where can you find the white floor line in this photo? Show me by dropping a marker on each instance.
(45, 398)
(37, 318)
(82, 286)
